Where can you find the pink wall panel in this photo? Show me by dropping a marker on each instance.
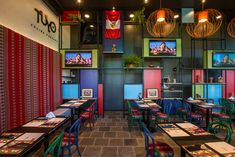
(230, 80)
(199, 73)
(152, 79)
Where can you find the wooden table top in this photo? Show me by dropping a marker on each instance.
(19, 144)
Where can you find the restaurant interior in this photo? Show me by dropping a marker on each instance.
(128, 78)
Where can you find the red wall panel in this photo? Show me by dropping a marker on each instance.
(100, 99)
(30, 79)
(152, 79)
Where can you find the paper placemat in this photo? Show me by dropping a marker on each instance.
(221, 147)
(34, 123)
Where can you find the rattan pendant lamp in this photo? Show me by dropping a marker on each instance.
(206, 23)
(231, 28)
(161, 22)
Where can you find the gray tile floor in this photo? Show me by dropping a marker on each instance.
(111, 138)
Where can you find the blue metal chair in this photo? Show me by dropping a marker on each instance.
(159, 116)
(192, 116)
(71, 139)
(156, 149)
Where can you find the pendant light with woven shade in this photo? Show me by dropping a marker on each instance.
(207, 22)
(161, 22)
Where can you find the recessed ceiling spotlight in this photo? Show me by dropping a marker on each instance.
(87, 16)
(218, 17)
(113, 8)
(146, 1)
(131, 15)
(91, 26)
(79, 1)
(203, 1)
(176, 16)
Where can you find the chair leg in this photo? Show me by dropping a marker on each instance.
(130, 124)
(79, 154)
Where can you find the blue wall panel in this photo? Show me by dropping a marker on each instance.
(131, 91)
(89, 79)
(214, 92)
(70, 91)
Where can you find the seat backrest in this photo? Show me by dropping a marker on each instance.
(187, 107)
(129, 107)
(55, 147)
(74, 129)
(167, 108)
(149, 141)
(217, 127)
(229, 108)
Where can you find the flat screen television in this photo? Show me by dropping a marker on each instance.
(78, 58)
(162, 47)
(223, 59)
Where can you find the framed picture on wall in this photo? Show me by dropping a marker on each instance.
(87, 93)
(152, 93)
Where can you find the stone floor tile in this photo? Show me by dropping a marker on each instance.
(101, 141)
(97, 134)
(87, 141)
(126, 152)
(115, 128)
(109, 152)
(116, 142)
(92, 151)
(123, 134)
(130, 142)
(110, 134)
(104, 128)
(140, 151)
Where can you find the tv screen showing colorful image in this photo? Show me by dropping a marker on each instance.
(223, 59)
(162, 48)
(83, 59)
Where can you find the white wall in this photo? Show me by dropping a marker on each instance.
(66, 37)
(20, 16)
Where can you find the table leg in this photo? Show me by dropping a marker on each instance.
(148, 119)
(182, 152)
(207, 117)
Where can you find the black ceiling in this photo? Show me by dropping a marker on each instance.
(60, 5)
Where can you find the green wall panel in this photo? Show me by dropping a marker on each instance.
(199, 90)
(94, 59)
(208, 56)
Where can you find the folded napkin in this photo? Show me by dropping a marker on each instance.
(231, 98)
(50, 115)
(190, 98)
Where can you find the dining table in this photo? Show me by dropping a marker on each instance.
(44, 125)
(186, 135)
(146, 106)
(19, 144)
(77, 106)
(206, 106)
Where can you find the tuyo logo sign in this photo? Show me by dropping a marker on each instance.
(51, 27)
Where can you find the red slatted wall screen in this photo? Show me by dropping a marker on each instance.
(30, 79)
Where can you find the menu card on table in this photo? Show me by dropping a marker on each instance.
(66, 105)
(154, 105)
(78, 104)
(52, 122)
(20, 143)
(7, 137)
(35, 123)
(82, 100)
(73, 101)
(172, 130)
(199, 151)
(193, 129)
(221, 147)
(143, 105)
(194, 101)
